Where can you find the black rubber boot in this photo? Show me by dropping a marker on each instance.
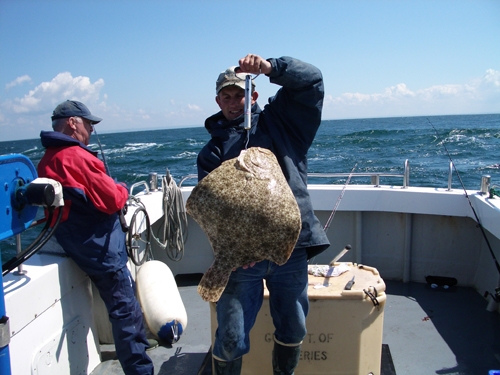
(228, 368)
(285, 359)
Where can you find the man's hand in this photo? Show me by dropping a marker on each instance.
(246, 266)
(254, 64)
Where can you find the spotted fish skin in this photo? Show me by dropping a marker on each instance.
(249, 214)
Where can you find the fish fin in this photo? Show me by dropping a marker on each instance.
(213, 282)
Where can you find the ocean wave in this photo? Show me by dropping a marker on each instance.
(132, 147)
(185, 155)
(31, 150)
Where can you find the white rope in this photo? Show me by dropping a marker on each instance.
(175, 220)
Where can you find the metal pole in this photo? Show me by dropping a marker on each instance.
(20, 271)
(4, 335)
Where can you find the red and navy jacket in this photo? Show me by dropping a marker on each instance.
(90, 231)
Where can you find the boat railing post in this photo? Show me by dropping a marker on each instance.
(20, 271)
(375, 180)
(4, 334)
(153, 181)
(450, 175)
(406, 178)
(485, 184)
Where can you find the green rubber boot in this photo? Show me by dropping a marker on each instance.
(228, 368)
(285, 359)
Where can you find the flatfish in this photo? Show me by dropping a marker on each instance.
(249, 214)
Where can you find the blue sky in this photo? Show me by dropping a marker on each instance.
(153, 64)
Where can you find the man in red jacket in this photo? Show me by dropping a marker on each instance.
(90, 231)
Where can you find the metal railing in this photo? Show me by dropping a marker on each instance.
(187, 178)
(375, 176)
(139, 184)
(450, 175)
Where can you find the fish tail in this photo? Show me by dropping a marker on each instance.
(213, 283)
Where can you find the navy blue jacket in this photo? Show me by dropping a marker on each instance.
(287, 126)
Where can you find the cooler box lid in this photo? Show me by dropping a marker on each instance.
(367, 282)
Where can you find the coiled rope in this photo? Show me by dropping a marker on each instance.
(175, 225)
(171, 235)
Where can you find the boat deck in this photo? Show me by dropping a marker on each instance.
(426, 331)
(440, 331)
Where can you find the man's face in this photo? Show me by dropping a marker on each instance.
(83, 130)
(231, 100)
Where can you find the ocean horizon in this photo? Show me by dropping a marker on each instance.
(375, 145)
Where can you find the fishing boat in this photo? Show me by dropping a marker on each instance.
(432, 250)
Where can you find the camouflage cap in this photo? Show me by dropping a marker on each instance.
(230, 78)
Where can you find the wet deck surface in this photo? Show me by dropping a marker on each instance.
(426, 331)
(440, 331)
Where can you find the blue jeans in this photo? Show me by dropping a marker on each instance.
(242, 299)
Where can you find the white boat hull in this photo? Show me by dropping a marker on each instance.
(406, 234)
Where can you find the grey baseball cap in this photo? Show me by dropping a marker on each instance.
(71, 108)
(230, 78)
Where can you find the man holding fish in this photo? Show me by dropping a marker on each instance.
(287, 126)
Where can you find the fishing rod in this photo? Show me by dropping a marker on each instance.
(121, 216)
(468, 199)
(329, 221)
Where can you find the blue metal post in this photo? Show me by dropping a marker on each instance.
(15, 171)
(4, 350)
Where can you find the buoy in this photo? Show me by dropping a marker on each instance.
(161, 302)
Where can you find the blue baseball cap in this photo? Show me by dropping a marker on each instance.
(71, 108)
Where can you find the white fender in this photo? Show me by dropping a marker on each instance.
(160, 300)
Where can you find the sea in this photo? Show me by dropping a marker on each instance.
(371, 145)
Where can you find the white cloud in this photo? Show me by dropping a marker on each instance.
(47, 95)
(492, 77)
(480, 96)
(18, 81)
(33, 110)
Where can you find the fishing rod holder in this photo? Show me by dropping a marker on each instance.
(153, 181)
(450, 175)
(485, 184)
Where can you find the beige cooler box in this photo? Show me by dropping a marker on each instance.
(344, 327)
